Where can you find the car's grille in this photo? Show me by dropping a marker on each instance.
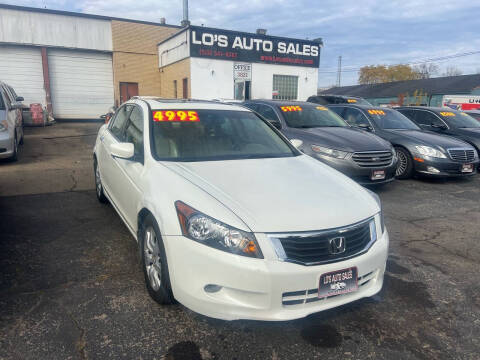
(316, 247)
(311, 295)
(462, 155)
(373, 158)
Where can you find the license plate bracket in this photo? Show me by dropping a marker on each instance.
(467, 168)
(377, 175)
(338, 282)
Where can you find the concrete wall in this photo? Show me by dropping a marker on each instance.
(177, 71)
(213, 79)
(30, 28)
(135, 55)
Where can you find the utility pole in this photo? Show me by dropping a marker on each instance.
(339, 71)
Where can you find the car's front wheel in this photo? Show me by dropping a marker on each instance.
(98, 183)
(154, 262)
(14, 156)
(404, 164)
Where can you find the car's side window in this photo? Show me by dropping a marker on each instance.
(7, 96)
(408, 113)
(338, 110)
(134, 131)
(427, 118)
(2, 103)
(267, 112)
(118, 123)
(354, 117)
(251, 106)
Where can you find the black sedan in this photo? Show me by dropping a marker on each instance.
(445, 121)
(364, 157)
(418, 151)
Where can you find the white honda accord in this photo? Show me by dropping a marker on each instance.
(231, 219)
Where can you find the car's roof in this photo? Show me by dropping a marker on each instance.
(432, 108)
(339, 96)
(361, 106)
(473, 111)
(281, 102)
(160, 103)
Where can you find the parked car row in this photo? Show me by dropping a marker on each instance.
(406, 149)
(11, 125)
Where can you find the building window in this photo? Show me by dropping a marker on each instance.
(285, 87)
(185, 88)
(175, 95)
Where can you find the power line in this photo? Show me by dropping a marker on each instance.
(437, 59)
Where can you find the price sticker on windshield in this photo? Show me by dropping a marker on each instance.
(376, 112)
(291, 108)
(447, 113)
(175, 115)
(323, 108)
(351, 100)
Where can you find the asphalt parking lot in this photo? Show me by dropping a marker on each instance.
(72, 286)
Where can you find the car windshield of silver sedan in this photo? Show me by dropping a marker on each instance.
(310, 116)
(459, 119)
(206, 135)
(391, 120)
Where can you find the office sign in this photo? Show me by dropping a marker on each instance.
(242, 71)
(247, 47)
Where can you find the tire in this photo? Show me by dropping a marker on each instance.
(14, 156)
(98, 183)
(404, 165)
(154, 262)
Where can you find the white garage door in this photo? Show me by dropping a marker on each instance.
(21, 68)
(81, 83)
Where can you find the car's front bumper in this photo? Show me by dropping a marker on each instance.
(362, 175)
(441, 167)
(258, 288)
(6, 144)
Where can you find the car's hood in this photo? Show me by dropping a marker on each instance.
(281, 194)
(429, 138)
(473, 132)
(343, 138)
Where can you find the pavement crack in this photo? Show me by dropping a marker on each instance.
(75, 182)
(81, 343)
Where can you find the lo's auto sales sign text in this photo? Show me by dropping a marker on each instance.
(237, 46)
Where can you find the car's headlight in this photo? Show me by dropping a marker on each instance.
(377, 199)
(208, 231)
(329, 152)
(430, 151)
(3, 125)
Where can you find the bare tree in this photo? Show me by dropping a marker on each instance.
(427, 70)
(452, 71)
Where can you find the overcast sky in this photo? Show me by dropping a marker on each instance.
(363, 32)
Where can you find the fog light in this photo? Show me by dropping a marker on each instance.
(211, 288)
(432, 169)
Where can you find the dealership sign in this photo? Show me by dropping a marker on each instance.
(239, 46)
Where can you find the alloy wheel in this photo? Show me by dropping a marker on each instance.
(98, 182)
(153, 262)
(402, 163)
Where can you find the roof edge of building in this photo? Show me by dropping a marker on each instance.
(84, 15)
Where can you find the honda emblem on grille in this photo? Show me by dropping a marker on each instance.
(337, 245)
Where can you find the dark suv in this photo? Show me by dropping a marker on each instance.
(337, 99)
(364, 157)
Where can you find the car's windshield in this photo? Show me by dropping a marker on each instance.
(391, 119)
(203, 135)
(356, 101)
(458, 119)
(310, 116)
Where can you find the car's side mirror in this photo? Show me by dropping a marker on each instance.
(438, 126)
(16, 106)
(296, 142)
(104, 116)
(275, 123)
(19, 98)
(365, 127)
(122, 150)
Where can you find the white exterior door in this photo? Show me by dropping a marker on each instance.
(21, 68)
(81, 83)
